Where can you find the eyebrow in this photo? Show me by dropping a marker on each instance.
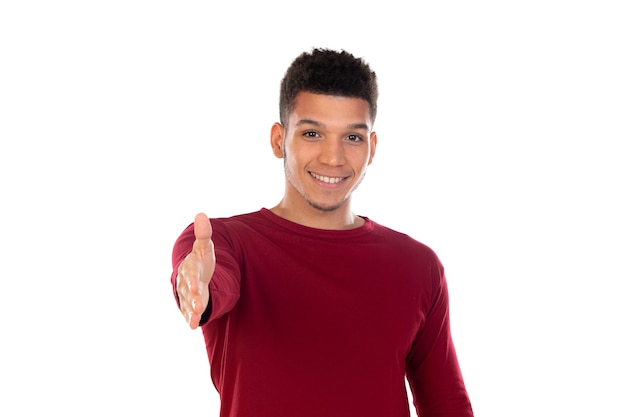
(353, 126)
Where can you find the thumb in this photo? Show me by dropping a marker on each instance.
(203, 231)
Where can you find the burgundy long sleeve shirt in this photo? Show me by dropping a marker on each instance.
(304, 322)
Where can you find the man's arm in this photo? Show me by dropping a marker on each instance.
(433, 370)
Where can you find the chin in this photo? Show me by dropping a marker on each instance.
(326, 207)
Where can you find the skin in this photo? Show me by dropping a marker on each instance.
(329, 137)
(327, 145)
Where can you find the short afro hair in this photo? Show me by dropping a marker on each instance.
(329, 72)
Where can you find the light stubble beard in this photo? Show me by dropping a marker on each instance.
(326, 209)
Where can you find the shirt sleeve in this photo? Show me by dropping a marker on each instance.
(225, 284)
(433, 371)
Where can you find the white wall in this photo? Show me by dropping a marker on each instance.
(501, 145)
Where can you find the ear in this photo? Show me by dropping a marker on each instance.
(373, 143)
(277, 139)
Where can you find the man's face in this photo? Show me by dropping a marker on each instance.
(327, 145)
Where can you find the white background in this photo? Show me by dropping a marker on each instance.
(501, 145)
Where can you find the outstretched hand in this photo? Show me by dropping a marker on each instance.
(195, 272)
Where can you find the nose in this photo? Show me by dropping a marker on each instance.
(332, 152)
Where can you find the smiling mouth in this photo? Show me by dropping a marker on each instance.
(327, 180)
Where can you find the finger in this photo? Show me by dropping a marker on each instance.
(203, 249)
(203, 231)
(193, 320)
(190, 304)
(189, 276)
(197, 307)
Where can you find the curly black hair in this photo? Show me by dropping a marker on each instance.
(330, 72)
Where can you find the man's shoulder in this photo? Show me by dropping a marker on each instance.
(401, 240)
(242, 217)
(241, 223)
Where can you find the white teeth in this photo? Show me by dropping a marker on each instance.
(328, 180)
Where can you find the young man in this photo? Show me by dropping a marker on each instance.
(307, 309)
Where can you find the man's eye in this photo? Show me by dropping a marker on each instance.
(354, 138)
(310, 134)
